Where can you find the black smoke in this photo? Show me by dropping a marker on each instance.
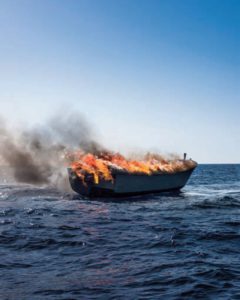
(38, 155)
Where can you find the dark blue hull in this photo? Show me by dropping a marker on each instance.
(125, 184)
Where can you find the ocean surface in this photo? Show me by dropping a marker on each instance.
(55, 245)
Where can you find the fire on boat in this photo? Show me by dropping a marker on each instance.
(108, 174)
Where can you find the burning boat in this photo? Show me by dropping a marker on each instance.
(114, 175)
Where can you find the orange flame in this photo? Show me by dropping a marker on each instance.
(102, 166)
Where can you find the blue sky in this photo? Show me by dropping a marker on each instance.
(149, 75)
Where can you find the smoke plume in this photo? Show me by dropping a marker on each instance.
(37, 156)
